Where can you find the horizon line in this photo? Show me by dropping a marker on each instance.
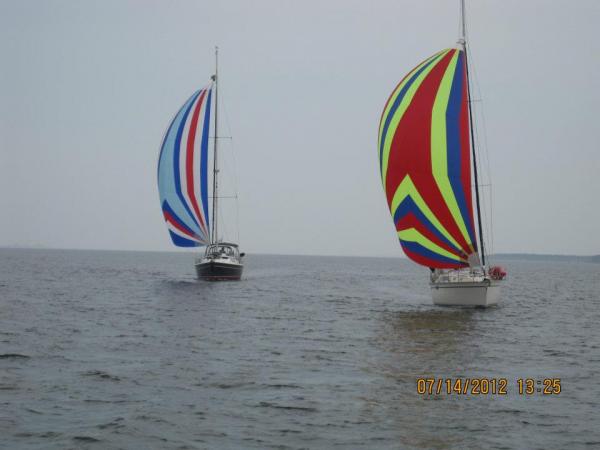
(402, 256)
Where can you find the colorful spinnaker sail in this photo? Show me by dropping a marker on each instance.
(425, 163)
(183, 172)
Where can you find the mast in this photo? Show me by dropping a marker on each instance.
(215, 230)
(463, 42)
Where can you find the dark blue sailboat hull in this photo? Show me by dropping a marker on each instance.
(219, 271)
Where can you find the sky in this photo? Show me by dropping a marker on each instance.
(87, 89)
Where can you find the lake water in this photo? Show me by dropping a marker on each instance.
(108, 350)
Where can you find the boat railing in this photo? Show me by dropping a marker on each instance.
(234, 256)
(457, 276)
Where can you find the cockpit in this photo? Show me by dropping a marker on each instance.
(223, 251)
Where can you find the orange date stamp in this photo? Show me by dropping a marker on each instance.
(487, 386)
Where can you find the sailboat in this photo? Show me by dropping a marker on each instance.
(183, 186)
(427, 160)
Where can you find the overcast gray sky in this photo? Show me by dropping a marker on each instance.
(87, 89)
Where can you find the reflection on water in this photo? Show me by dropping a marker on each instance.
(433, 330)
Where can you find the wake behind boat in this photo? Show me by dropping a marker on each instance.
(426, 143)
(183, 169)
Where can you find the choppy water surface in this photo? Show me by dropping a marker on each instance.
(127, 350)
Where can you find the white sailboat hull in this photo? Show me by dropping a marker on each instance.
(466, 293)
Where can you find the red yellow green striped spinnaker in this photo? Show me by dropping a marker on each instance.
(425, 162)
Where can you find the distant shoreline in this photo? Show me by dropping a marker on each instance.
(518, 256)
(544, 257)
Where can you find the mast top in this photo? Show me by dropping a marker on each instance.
(214, 77)
(462, 40)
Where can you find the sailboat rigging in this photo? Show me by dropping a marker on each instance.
(463, 42)
(427, 157)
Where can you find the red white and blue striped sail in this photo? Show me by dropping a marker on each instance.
(183, 172)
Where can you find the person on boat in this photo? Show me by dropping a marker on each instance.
(434, 274)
